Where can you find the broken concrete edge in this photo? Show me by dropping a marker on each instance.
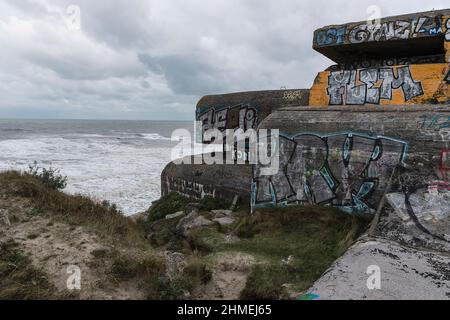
(407, 16)
(370, 108)
(279, 97)
(379, 269)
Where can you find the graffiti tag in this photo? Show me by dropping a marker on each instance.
(343, 88)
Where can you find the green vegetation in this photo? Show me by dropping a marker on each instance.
(19, 280)
(314, 237)
(194, 274)
(174, 202)
(50, 177)
(169, 204)
(130, 265)
(101, 218)
(290, 246)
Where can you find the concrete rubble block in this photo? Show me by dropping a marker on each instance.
(225, 221)
(192, 220)
(430, 210)
(175, 215)
(221, 213)
(405, 274)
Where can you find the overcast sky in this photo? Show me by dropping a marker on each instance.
(154, 59)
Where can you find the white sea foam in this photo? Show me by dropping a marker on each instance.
(103, 167)
(153, 136)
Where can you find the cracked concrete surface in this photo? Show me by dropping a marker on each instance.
(406, 273)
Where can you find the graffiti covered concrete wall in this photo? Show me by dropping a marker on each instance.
(200, 180)
(244, 110)
(340, 169)
(348, 163)
(412, 26)
(402, 60)
(397, 85)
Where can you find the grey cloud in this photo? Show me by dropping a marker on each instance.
(157, 58)
(184, 75)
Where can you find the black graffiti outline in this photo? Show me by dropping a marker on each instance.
(357, 199)
(215, 112)
(348, 78)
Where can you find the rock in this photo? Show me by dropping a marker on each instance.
(4, 219)
(221, 213)
(175, 215)
(225, 221)
(192, 220)
(192, 207)
(231, 238)
(175, 263)
(288, 261)
(139, 216)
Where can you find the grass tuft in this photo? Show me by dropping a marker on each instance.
(19, 280)
(101, 218)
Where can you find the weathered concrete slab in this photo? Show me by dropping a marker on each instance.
(406, 273)
(245, 110)
(345, 156)
(417, 34)
(224, 181)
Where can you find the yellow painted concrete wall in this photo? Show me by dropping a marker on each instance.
(431, 77)
(434, 78)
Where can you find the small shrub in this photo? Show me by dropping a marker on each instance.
(75, 210)
(129, 265)
(100, 253)
(209, 203)
(50, 177)
(168, 204)
(197, 271)
(194, 274)
(262, 284)
(197, 243)
(174, 202)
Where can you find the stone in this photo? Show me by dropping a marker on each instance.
(221, 213)
(231, 239)
(4, 219)
(288, 261)
(175, 215)
(225, 221)
(175, 263)
(192, 220)
(192, 207)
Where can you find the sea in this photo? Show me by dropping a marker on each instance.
(114, 160)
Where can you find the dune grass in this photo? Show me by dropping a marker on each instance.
(19, 280)
(296, 246)
(313, 236)
(102, 218)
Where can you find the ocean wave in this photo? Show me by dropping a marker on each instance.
(125, 174)
(152, 136)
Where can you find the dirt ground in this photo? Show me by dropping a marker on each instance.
(53, 247)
